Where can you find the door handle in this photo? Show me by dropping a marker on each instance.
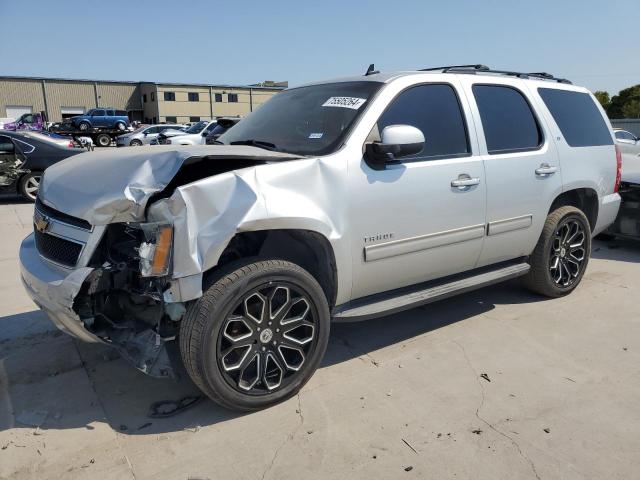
(464, 181)
(545, 169)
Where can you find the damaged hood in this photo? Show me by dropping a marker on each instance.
(114, 185)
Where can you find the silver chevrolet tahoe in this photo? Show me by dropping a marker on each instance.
(336, 201)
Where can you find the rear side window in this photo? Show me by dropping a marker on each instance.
(507, 120)
(435, 110)
(577, 117)
(121, 113)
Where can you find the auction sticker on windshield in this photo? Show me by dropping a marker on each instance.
(345, 102)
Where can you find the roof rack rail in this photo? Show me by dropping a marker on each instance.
(478, 68)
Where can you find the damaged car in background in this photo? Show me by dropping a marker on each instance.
(627, 224)
(344, 200)
(11, 162)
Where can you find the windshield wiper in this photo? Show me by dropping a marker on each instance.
(255, 143)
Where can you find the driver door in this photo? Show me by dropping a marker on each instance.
(411, 222)
(150, 133)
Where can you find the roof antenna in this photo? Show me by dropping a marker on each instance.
(371, 70)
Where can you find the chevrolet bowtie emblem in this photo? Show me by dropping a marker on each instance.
(42, 223)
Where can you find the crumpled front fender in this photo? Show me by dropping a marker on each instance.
(306, 194)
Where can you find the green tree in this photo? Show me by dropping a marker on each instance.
(603, 98)
(625, 104)
(631, 109)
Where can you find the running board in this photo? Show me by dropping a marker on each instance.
(404, 299)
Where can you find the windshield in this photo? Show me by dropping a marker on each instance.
(307, 120)
(196, 127)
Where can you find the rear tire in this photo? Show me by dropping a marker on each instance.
(103, 140)
(29, 185)
(562, 253)
(256, 335)
(121, 126)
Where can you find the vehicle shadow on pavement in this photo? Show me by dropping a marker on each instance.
(50, 381)
(618, 249)
(11, 198)
(350, 340)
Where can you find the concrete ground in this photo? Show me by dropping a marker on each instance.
(495, 384)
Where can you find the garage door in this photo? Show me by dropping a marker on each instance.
(68, 112)
(14, 111)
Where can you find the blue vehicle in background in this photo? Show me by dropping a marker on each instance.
(108, 118)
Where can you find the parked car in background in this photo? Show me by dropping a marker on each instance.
(41, 152)
(145, 134)
(100, 118)
(347, 199)
(194, 135)
(628, 142)
(224, 124)
(627, 223)
(188, 128)
(62, 140)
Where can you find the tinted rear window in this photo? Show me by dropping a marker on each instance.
(577, 117)
(507, 119)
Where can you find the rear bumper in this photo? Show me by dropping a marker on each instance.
(607, 212)
(54, 289)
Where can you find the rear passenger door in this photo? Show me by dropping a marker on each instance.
(521, 166)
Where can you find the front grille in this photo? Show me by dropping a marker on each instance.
(56, 249)
(61, 217)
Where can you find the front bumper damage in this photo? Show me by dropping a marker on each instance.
(82, 301)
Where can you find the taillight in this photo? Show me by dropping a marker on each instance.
(616, 187)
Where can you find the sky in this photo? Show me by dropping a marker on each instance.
(195, 41)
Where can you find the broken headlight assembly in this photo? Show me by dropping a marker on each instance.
(155, 250)
(142, 247)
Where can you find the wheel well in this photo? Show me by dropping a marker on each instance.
(310, 250)
(586, 199)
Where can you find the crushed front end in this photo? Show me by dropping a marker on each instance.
(105, 284)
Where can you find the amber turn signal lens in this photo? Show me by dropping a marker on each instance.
(162, 255)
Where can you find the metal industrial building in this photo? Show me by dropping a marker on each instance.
(149, 102)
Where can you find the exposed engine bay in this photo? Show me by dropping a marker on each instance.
(122, 300)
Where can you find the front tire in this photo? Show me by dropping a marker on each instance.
(561, 256)
(84, 126)
(256, 335)
(135, 143)
(29, 185)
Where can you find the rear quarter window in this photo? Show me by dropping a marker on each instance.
(577, 116)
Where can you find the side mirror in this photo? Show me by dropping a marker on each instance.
(204, 134)
(397, 141)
